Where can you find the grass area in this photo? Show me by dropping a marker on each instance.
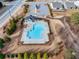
(70, 11)
(69, 54)
(73, 21)
(75, 18)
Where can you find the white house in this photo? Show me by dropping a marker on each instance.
(57, 6)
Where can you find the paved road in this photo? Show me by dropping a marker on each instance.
(4, 9)
(7, 14)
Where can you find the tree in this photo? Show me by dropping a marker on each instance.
(7, 39)
(1, 40)
(25, 56)
(26, 8)
(1, 43)
(2, 56)
(1, 5)
(19, 56)
(12, 27)
(38, 56)
(12, 55)
(45, 56)
(75, 18)
(32, 56)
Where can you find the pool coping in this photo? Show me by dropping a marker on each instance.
(50, 35)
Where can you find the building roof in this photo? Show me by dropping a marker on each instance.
(57, 5)
(1, 0)
(70, 5)
(76, 3)
(38, 9)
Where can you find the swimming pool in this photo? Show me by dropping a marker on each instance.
(35, 33)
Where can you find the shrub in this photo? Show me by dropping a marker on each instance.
(12, 55)
(18, 18)
(8, 55)
(1, 40)
(12, 27)
(26, 8)
(75, 18)
(1, 45)
(7, 39)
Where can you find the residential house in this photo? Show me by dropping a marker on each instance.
(70, 5)
(57, 6)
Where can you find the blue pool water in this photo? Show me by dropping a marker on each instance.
(36, 31)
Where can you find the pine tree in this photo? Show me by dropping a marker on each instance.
(32, 56)
(25, 56)
(38, 56)
(19, 56)
(45, 56)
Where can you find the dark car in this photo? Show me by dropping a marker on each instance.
(1, 5)
(9, 0)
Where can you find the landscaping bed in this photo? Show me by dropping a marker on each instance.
(10, 28)
(73, 27)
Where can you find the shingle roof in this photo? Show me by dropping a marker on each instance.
(70, 5)
(1, 0)
(57, 5)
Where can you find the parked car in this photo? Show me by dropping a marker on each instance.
(1, 5)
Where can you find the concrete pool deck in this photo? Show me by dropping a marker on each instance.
(41, 47)
(37, 37)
